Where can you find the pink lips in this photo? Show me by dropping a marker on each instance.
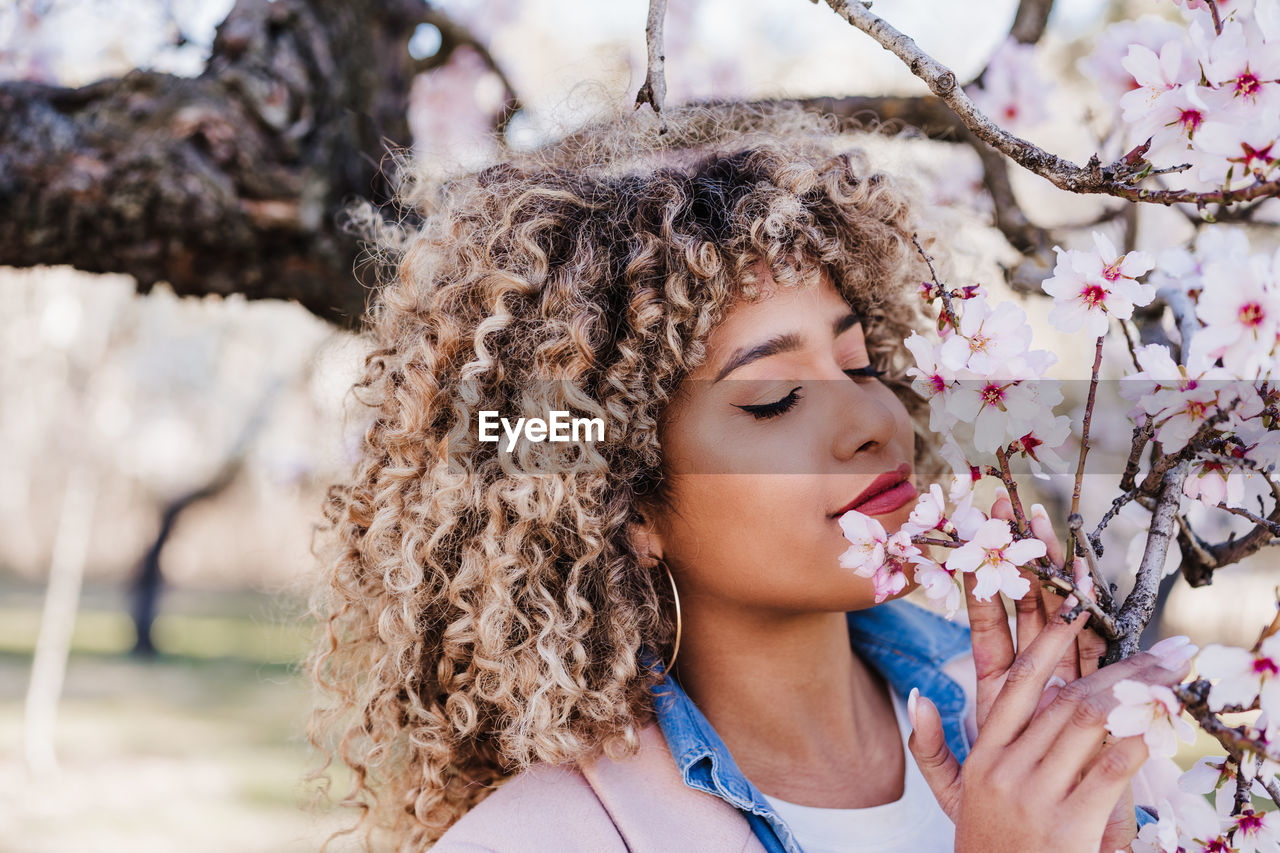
(887, 493)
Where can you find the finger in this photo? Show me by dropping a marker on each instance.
(1091, 645)
(1122, 823)
(1029, 612)
(1070, 731)
(1071, 667)
(1091, 649)
(928, 744)
(992, 641)
(1042, 529)
(1114, 769)
(1025, 678)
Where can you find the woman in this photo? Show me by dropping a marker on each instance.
(504, 617)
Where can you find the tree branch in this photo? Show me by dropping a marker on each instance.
(1138, 608)
(1119, 179)
(230, 182)
(1031, 19)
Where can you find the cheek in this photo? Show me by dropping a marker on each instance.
(764, 539)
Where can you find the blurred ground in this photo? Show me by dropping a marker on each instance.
(198, 750)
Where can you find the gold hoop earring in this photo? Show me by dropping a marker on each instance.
(675, 595)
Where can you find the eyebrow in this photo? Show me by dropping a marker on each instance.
(782, 343)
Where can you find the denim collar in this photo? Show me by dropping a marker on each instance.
(906, 644)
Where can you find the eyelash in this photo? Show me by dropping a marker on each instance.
(765, 411)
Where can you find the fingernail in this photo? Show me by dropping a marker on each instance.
(1055, 681)
(1174, 652)
(1037, 511)
(911, 706)
(1167, 645)
(1070, 602)
(1002, 492)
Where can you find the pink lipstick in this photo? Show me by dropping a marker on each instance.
(887, 493)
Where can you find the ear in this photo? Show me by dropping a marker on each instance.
(644, 536)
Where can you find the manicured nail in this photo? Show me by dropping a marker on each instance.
(1169, 644)
(1002, 492)
(1070, 602)
(1174, 652)
(911, 706)
(1055, 681)
(1038, 511)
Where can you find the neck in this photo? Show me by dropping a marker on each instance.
(790, 699)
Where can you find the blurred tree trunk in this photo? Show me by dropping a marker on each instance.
(145, 589)
(230, 182)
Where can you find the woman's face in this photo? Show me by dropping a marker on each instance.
(765, 447)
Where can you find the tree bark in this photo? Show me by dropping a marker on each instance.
(231, 182)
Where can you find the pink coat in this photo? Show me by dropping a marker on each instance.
(641, 805)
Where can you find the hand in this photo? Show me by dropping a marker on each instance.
(1014, 793)
(994, 647)
(1041, 779)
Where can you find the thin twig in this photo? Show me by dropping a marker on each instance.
(654, 90)
(948, 309)
(1273, 526)
(1082, 545)
(1128, 339)
(1237, 741)
(929, 540)
(1084, 429)
(1116, 505)
(1217, 19)
(1273, 789)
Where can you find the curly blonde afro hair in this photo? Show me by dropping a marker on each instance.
(485, 610)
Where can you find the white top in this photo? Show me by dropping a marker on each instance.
(913, 823)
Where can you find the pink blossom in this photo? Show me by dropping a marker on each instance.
(1161, 836)
(929, 512)
(1105, 65)
(1212, 481)
(1041, 443)
(994, 557)
(1242, 318)
(890, 578)
(989, 337)
(1002, 409)
(1090, 286)
(940, 586)
(1150, 710)
(1255, 832)
(967, 518)
(1239, 63)
(868, 539)
(873, 554)
(1166, 105)
(1013, 92)
(932, 380)
(1243, 676)
(1178, 399)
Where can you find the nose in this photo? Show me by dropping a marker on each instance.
(865, 419)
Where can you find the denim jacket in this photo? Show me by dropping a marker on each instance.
(906, 644)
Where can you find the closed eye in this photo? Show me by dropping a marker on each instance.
(859, 372)
(765, 411)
